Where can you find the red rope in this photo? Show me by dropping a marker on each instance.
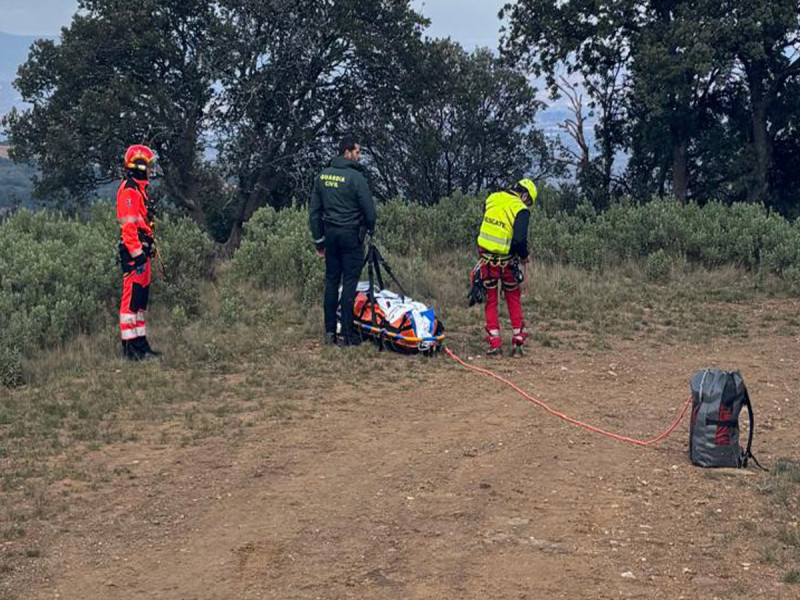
(568, 419)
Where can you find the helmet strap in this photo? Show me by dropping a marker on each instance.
(137, 174)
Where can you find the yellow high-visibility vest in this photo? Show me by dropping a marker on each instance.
(497, 229)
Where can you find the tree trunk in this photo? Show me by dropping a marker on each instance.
(246, 201)
(762, 145)
(762, 150)
(663, 171)
(183, 188)
(680, 171)
(603, 193)
(249, 201)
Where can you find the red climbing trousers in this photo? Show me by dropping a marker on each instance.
(497, 275)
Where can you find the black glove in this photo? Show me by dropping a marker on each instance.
(140, 264)
(519, 275)
(477, 290)
(477, 294)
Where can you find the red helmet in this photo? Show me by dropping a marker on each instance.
(139, 158)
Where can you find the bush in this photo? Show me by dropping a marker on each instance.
(186, 259)
(742, 235)
(59, 276)
(405, 227)
(56, 276)
(10, 367)
(277, 251)
(658, 267)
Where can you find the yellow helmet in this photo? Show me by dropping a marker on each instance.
(530, 187)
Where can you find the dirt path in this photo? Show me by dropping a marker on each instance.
(459, 489)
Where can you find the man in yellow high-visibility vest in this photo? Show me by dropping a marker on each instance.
(503, 248)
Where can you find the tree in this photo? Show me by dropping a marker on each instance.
(677, 77)
(678, 74)
(587, 39)
(122, 73)
(298, 74)
(593, 173)
(763, 36)
(269, 86)
(459, 122)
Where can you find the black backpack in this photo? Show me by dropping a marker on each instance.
(717, 399)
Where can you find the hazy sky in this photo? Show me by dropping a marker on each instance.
(471, 22)
(35, 17)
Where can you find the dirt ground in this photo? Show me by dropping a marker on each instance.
(428, 481)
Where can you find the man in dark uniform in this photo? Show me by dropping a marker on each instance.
(341, 214)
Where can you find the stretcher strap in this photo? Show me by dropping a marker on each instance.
(375, 261)
(373, 269)
(376, 265)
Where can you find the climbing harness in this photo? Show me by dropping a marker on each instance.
(479, 284)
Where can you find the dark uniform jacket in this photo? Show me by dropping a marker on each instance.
(519, 243)
(341, 198)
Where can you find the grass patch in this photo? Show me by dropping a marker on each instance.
(587, 309)
(790, 537)
(783, 481)
(251, 355)
(782, 486)
(792, 577)
(769, 554)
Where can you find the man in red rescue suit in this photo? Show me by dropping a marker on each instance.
(136, 249)
(503, 249)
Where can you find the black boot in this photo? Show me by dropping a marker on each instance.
(330, 339)
(130, 352)
(350, 340)
(143, 348)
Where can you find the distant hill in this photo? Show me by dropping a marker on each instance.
(15, 180)
(16, 185)
(13, 52)
(9, 97)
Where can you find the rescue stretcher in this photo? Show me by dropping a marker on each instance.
(394, 320)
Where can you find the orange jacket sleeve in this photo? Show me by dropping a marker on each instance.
(128, 215)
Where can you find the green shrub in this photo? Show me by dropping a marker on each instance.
(231, 305)
(658, 267)
(186, 255)
(59, 276)
(742, 235)
(10, 367)
(401, 226)
(277, 253)
(178, 317)
(451, 224)
(406, 227)
(792, 577)
(277, 250)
